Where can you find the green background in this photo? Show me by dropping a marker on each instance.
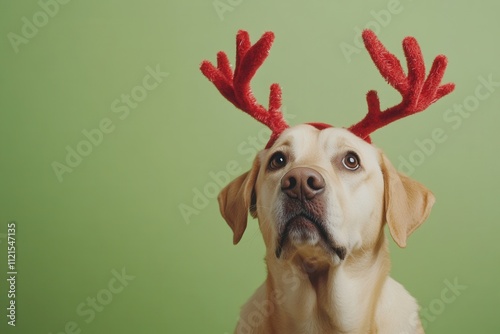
(120, 207)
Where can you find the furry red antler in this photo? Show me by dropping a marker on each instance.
(236, 87)
(417, 91)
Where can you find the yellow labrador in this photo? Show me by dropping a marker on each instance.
(322, 198)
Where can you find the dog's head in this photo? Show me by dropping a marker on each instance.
(324, 193)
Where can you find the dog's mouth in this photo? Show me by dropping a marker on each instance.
(305, 226)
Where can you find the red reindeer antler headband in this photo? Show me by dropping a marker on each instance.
(417, 91)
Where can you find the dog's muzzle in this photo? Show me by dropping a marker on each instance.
(304, 207)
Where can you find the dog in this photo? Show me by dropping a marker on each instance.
(322, 199)
(322, 196)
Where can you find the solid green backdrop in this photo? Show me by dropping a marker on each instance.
(113, 147)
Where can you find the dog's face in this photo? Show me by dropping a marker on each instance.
(324, 194)
(319, 188)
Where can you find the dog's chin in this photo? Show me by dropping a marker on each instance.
(303, 231)
(303, 234)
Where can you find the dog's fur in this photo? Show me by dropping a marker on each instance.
(327, 257)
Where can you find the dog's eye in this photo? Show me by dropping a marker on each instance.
(277, 161)
(351, 161)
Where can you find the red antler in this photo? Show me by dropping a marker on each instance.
(417, 91)
(236, 87)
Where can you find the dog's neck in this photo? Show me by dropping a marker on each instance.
(315, 298)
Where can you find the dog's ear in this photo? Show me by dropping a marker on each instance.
(237, 199)
(407, 202)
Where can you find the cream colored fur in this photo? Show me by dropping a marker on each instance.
(310, 289)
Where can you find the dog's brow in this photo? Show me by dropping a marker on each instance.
(350, 148)
(286, 143)
(339, 143)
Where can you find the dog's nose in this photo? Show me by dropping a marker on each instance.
(302, 183)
